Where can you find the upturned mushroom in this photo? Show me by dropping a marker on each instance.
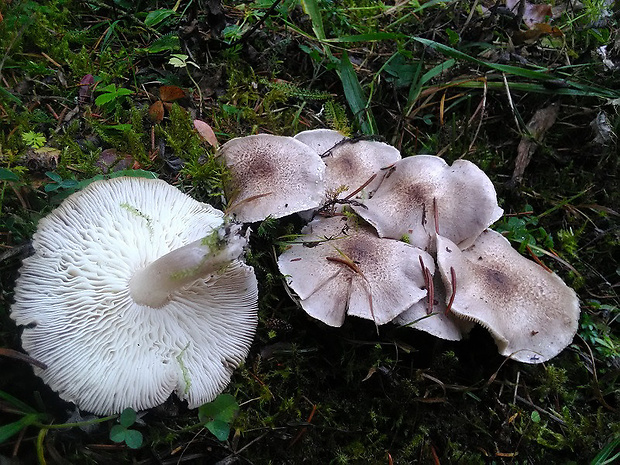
(338, 267)
(530, 312)
(136, 291)
(422, 195)
(271, 176)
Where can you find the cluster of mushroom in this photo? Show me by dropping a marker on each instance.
(135, 291)
(398, 240)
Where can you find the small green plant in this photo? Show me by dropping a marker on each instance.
(122, 432)
(178, 60)
(524, 230)
(218, 415)
(58, 182)
(34, 140)
(28, 416)
(599, 333)
(111, 94)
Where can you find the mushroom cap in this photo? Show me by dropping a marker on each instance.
(349, 162)
(340, 268)
(103, 351)
(530, 312)
(404, 203)
(320, 140)
(437, 323)
(272, 176)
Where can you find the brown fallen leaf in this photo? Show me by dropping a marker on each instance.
(171, 93)
(536, 32)
(540, 123)
(42, 159)
(206, 133)
(156, 112)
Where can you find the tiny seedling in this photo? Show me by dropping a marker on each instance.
(111, 94)
(218, 415)
(35, 140)
(58, 182)
(122, 433)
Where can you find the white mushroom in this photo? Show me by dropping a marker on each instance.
(422, 195)
(339, 267)
(135, 291)
(271, 176)
(351, 164)
(530, 312)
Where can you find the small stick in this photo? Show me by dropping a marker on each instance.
(356, 191)
(428, 282)
(436, 215)
(453, 284)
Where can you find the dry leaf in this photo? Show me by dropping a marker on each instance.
(540, 123)
(85, 90)
(156, 112)
(206, 133)
(171, 93)
(536, 32)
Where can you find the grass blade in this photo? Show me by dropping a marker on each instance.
(355, 95)
(538, 75)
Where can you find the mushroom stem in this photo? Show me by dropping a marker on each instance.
(152, 286)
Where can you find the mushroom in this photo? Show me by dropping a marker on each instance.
(432, 317)
(135, 291)
(530, 312)
(339, 267)
(351, 164)
(422, 195)
(271, 176)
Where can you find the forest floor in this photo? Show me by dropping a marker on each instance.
(529, 91)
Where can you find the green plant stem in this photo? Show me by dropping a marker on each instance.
(198, 89)
(76, 424)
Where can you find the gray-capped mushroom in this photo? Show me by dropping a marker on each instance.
(135, 291)
(339, 268)
(430, 315)
(530, 312)
(422, 195)
(271, 176)
(353, 166)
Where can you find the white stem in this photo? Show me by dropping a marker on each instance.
(153, 285)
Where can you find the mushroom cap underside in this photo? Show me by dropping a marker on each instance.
(104, 352)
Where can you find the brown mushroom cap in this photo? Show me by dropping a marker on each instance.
(272, 176)
(341, 268)
(531, 313)
(422, 193)
(349, 162)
